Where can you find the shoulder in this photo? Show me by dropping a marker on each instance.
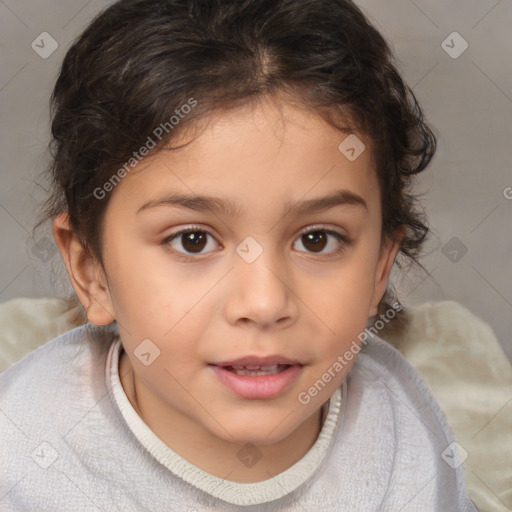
(387, 369)
(63, 370)
(42, 399)
(424, 444)
(49, 362)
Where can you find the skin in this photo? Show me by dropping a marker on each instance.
(304, 303)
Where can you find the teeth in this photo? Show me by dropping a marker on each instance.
(256, 367)
(253, 371)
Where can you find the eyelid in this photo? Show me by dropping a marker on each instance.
(188, 229)
(321, 227)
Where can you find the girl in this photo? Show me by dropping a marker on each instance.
(232, 186)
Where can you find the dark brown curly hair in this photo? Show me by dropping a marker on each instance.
(139, 61)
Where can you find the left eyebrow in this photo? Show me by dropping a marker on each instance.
(230, 208)
(320, 204)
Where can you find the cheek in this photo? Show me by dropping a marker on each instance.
(344, 291)
(153, 300)
(341, 302)
(139, 291)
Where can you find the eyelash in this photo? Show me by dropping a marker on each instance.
(194, 229)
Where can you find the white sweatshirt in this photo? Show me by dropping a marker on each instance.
(71, 440)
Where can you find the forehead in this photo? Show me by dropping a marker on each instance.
(263, 155)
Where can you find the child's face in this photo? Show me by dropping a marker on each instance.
(300, 298)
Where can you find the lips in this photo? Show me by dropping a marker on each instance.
(258, 377)
(259, 362)
(255, 385)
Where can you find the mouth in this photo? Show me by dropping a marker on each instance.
(257, 379)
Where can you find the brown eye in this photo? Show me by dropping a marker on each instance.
(189, 241)
(194, 241)
(316, 240)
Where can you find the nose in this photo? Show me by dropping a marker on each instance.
(261, 292)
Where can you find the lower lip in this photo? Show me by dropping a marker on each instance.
(259, 386)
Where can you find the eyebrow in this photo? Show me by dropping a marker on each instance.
(230, 208)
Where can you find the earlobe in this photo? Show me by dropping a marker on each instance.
(85, 273)
(387, 257)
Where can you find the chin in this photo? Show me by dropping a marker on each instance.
(243, 438)
(263, 432)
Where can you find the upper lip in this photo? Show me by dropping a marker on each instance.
(258, 361)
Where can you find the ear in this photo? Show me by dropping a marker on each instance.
(388, 252)
(85, 273)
